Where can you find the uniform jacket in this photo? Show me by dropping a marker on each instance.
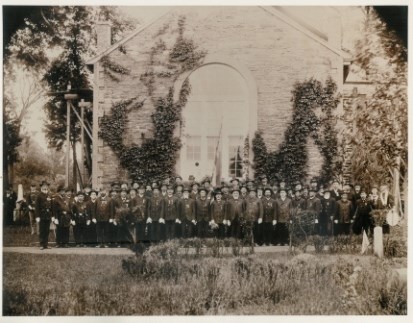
(138, 208)
(31, 200)
(269, 210)
(235, 209)
(313, 205)
(188, 209)
(156, 208)
(202, 209)
(298, 203)
(253, 209)
(62, 210)
(344, 211)
(105, 209)
(283, 210)
(217, 211)
(79, 213)
(91, 209)
(171, 208)
(122, 209)
(328, 209)
(363, 209)
(43, 208)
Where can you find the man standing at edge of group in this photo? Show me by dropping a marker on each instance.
(44, 214)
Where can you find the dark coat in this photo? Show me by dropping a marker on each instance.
(44, 205)
(202, 209)
(105, 209)
(217, 211)
(283, 210)
(188, 209)
(328, 209)
(79, 213)
(269, 210)
(156, 208)
(235, 209)
(62, 210)
(171, 208)
(253, 209)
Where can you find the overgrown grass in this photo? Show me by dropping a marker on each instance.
(159, 281)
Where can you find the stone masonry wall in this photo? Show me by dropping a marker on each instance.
(276, 54)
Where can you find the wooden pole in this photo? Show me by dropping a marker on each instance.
(67, 143)
(82, 142)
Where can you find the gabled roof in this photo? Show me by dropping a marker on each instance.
(306, 29)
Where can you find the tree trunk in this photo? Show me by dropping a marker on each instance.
(74, 165)
(396, 185)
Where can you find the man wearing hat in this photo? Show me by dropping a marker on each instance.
(44, 214)
(164, 189)
(297, 202)
(314, 184)
(105, 208)
(122, 214)
(344, 215)
(155, 214)
(91, 209)
(191, 180)
(139, 204)
(217, 214)
(235, 183)
(188, 214)
(31, 201)
(283, 208)
(269, 216)
(178, 180)
(178, 191)
(226, 196)
(194, 193)
(328, 210)
(62, 216)
(79, 219)
(148, 190)
(253, 218)
(171, 213)
(313, 206)
(363, 220)
(264, 180)
(244, 193)
(202, 213)
(234, 213)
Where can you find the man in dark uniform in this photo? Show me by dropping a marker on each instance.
(44, 214)
(91, 209)
(283, 208)
(105, 209)
(194, 193)
(314, 185)
(139, 213)
(269, 216)
(202, 213)
(217, 214)
(253, 219)
(363, 220)
(31, 201)
(122, 215)
(171, 213)
(244, 193)
(188, 214)
(328, 210)
(234, 213)
(344, 215)
(155, 214)
(178, 191)
(313, 206)
(225, 193)
(62, 216)
(79, 220)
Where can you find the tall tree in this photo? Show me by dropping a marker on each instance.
(53, 46)
(380, 135)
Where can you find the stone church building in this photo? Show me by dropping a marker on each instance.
(254, 56)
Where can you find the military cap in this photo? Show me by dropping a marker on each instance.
(93, 191)
(80, 193)
(253, 189)
(217, 191)
(170, 187)
(186, 189)
(206, 179)
(202, 188)
(44, 183)
(234, 179)
(235, 190)
(267, 188)
(178, 176)
(60, 188)
(283, 189)
(191, 178)
(68, 189)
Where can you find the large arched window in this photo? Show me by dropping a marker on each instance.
(215, 123)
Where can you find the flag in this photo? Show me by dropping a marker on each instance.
(365, 244)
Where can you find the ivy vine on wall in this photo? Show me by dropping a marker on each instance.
(289, 162)
(156, 157)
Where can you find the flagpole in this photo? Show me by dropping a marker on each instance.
(216, 153)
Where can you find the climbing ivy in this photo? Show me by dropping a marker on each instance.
(113, 69)
(156, 157)
(289, 162)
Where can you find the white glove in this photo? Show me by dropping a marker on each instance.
(161, 220)
(110, 220)
(73, 222)
(291, 221)
(56, 221)
(335, 221)
(274, 222)
(114, 222)
(37, 220)
(316, 221)
(224, 222)
(149, 220)
(94, 220)
(331, 218)
(53, 218)
(351, 221)
(194, 222)
(88, 222)
(259, 220)
(177, 221)
(228, 222)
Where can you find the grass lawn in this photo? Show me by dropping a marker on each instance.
(164, 283)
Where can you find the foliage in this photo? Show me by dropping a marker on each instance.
(112, 68)
(70, 285)
(11, 135)
(290, 161)
(156, 157)
(379, 138)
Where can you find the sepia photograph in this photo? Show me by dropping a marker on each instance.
(205, 160)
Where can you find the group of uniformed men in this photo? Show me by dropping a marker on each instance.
(256, 211)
